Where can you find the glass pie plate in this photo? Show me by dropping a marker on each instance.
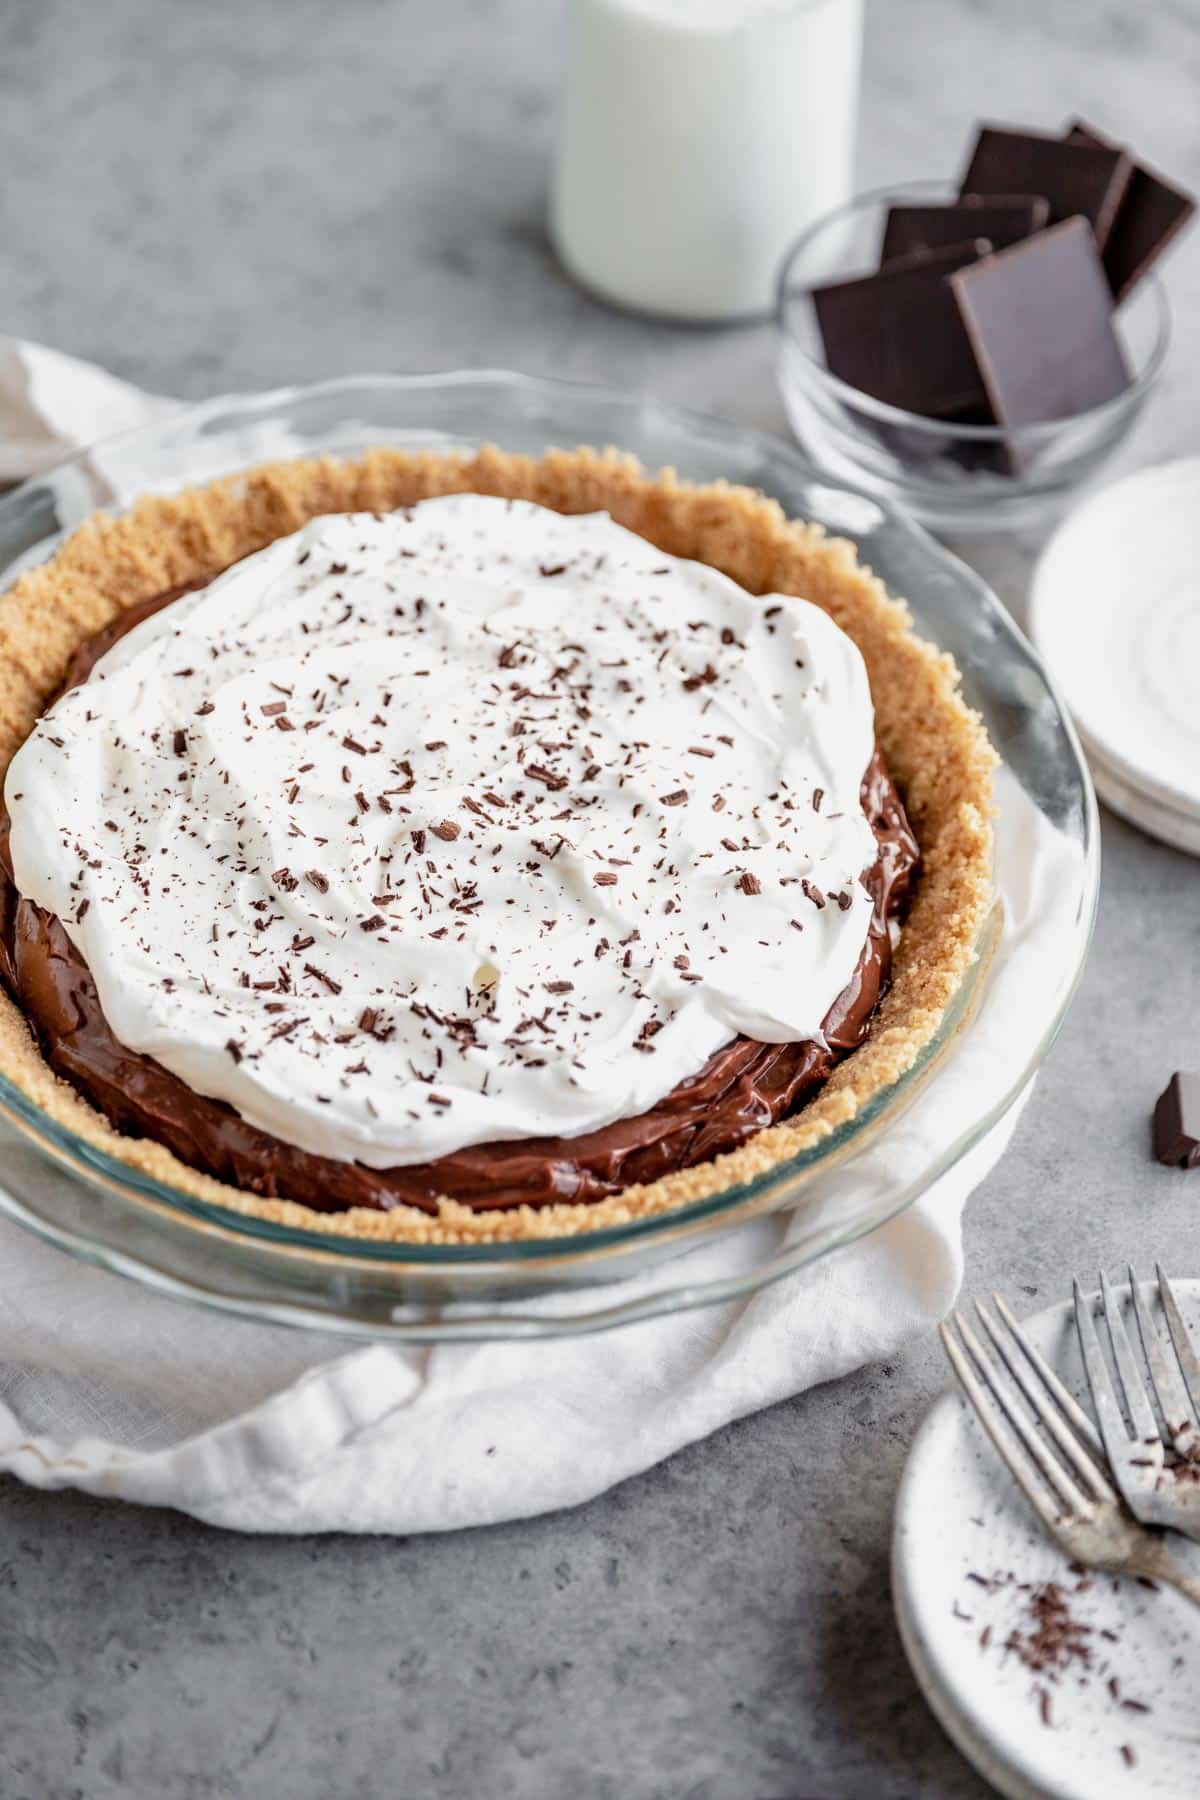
(98, 1208)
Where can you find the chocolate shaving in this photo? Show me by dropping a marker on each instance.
(539, 772)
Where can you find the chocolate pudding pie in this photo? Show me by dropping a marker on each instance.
(450, 849)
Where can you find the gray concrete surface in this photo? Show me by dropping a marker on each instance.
(214, 196)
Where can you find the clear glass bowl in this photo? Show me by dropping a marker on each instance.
(97, 1207)
(957, 478)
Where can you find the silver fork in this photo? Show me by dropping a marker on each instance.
(1057, 1469)
(1157, 1466)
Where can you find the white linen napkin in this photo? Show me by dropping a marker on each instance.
(52, 404)
(110, 1388)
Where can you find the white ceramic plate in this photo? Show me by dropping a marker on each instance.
(965, 1541)
(1167, 823)
(1115, 611)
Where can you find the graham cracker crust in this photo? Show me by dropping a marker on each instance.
(936, 748)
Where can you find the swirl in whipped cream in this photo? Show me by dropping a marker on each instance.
(467, 823)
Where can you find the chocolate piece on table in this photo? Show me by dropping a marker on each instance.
(898, 335)
(1002, 218)
(1090, 179)
(1039, 319)
(1152, 213)
(1177, 1122)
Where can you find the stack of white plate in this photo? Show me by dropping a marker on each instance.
(1115, 612)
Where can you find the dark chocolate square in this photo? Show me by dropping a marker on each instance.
(982, 456)
(1039, 318)
(1089, 179)
(1152, 213)
(1177, 1122)
(1001, 218)
(898, 335)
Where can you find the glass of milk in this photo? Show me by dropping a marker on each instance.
(698, 138)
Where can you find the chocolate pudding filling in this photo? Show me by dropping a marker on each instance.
(742, 1088)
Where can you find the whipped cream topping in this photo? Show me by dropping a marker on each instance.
(465, 823)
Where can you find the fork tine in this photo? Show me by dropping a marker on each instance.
(1010, 1402)
(1137, 1402)
(1188, 1360)
(993, 1421)
(1050, 1380)
(1112, 1425)
(1046, 1410)
(1173, 1398)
